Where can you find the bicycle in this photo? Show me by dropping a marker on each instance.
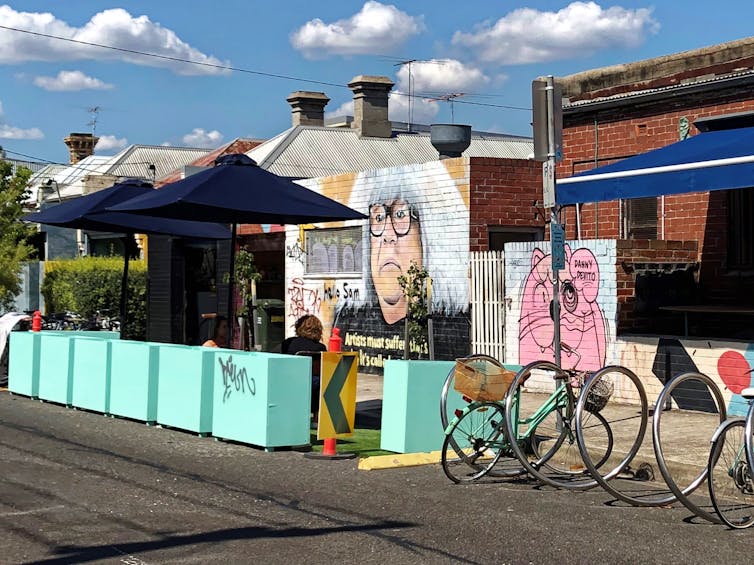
(730, 478)
(575, 438)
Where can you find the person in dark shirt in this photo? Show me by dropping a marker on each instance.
(308, 341)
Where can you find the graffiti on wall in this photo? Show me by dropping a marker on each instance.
(582, 321)
(416, 214)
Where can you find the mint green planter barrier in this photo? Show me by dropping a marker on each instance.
(411, 405)
(262, 399)
(56, 367)
(91, 373)
(133, 380)
(86, 333)
(24, 358)
(184, 387)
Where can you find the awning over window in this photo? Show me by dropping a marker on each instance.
(715, 160)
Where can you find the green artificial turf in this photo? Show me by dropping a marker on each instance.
(363, 442)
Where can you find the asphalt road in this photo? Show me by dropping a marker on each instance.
(79, 487)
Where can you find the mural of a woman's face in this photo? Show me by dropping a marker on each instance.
(395, 241)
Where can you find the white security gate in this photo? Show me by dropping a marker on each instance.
(488, 303)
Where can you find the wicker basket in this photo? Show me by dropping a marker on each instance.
(598, 396)
(479, 379)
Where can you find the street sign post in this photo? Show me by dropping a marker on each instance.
(337, 403)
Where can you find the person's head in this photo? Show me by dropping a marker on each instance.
(394, 242)
(310, 327)
(221, 329)
(434, 220)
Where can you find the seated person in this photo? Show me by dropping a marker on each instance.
(220, 335)
(308, 339)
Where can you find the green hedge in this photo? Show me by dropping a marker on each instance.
(88, 284)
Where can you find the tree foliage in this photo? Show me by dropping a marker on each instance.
(14, 235)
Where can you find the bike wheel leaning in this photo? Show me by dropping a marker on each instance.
(474, 442)
(614, 396)
(729, 480)
(539, 422)
(682, 394)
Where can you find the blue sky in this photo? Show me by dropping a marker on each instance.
(488, 50)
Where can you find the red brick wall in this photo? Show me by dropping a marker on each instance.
(502, 193)
(636, 128)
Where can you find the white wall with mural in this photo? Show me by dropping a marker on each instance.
(346, 273)
(588, 303)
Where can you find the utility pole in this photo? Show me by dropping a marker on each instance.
(548, 143)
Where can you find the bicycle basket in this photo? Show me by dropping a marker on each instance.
(598, 396)
(479, 379)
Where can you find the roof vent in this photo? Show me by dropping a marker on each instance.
(450, 140)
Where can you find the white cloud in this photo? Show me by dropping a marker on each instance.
(70, 81)
(110, 142)
(377, 28)
(12, 132)
(201, 138)
(423, 111)
(114, 27)
(440, 75)
(526, 35)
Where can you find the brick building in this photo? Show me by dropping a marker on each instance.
(618, 112)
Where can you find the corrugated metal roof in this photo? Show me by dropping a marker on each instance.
(33, 166)
(658, 90)
(134, 161)
(308, 151)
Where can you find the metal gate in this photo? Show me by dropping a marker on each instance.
(488, 303)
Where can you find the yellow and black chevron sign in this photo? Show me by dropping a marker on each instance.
(337, 401)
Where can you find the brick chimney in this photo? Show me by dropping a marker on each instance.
(80, 145)
(370, 94)
(308, 108)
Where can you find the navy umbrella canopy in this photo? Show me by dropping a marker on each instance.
(236, 190)
(90, 212)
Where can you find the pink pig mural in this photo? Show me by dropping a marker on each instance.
(582, 323)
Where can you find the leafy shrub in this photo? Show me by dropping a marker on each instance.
(88, 284)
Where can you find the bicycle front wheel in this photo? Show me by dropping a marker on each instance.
(539, 422)
(474, 442)
(729, 480)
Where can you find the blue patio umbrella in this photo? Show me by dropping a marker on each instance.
(237, 191)
(90, 212)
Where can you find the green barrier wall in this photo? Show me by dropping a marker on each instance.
(24, 359)
(56, 368)
(184, 387)
(91, 373)
(133, 380)
(261, 399)
(411, 405)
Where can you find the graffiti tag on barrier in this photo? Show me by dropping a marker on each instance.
(235, 378)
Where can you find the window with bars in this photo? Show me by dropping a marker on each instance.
(741, 228)
(640, 218)
(333, 251)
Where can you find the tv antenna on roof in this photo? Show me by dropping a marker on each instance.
(410, 89)
(94, 111)
(449, 98)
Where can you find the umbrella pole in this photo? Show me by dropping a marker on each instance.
(124, 289)
(232, 268)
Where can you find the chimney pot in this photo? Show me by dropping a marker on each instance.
(308, 108)
(370, 105)
(80, 145)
